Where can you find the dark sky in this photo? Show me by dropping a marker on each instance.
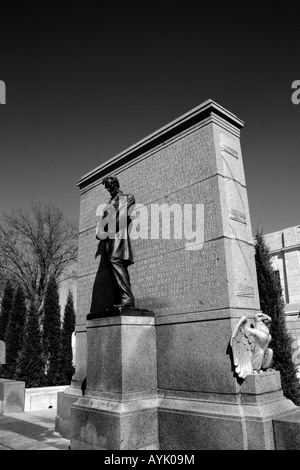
(83, 84)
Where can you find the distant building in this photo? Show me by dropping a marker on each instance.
(285, 251)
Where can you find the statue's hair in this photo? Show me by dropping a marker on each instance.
(110, 181)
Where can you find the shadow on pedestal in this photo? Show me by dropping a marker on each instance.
(120, 311)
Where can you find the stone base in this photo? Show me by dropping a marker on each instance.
(260, 383)
(12, 396)
(65, 400)
(198, 421)
(287, 431)
(106, 424)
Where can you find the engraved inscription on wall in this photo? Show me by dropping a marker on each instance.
(182, 281)
(175, 166)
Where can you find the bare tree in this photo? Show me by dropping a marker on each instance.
(35, 245)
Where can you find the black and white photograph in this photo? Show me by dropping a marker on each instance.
(150, 229)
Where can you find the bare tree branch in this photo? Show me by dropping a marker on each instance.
(36, 244)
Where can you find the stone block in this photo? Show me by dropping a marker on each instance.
(192, 420)
(121, 354)
(264, 382)
(12, 396)
(194, 356)
(65, 400)
(100, 424)
(179, 430)
(287, 431)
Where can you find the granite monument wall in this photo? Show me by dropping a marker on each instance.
(200, 164)
(197, 295)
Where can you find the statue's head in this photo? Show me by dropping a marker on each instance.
(263, 318)
(112, 185)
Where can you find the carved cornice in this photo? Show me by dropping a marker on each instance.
(207, 112)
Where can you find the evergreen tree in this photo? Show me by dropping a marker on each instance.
(14, 336)
(6, 306)
(67, 330)
(31, 365)
(272, 304)
(52, 333)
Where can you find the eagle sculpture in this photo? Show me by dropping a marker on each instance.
(250, 345)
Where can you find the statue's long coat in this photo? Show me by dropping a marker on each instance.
(118, 247)
(118, 244)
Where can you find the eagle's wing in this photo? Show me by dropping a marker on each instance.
(242, 345)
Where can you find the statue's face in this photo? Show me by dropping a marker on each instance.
(112, 189)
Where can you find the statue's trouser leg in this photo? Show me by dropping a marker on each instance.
(121, 276)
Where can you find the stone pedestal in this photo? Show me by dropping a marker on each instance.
(12, 396)
(262, 400)
(204, 421)
(119, 406)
